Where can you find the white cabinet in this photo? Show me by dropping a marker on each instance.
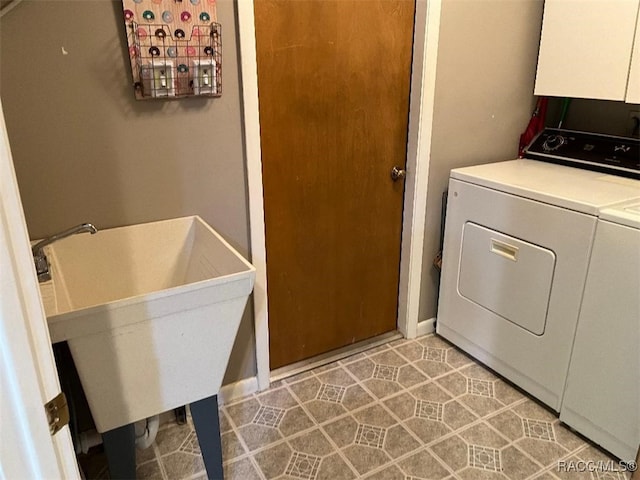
(586, 50)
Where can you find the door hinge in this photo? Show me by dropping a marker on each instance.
(57, 413)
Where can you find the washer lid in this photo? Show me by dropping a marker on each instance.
(627, 213)
(573, 188)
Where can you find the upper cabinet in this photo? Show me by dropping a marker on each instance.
(590, 49)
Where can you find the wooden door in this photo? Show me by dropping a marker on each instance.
(333, 85)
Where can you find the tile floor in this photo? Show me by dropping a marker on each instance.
(411, 409)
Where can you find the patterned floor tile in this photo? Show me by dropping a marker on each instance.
(399, 442)
(225, 425)
(171, 438)
(516, 465)
(180, 465)
(506, 393)
(149, 471)
(545, 476)
(537, 432)
(259, 436)
(308, 457)
(483, 435)
(241, 470)
(409, 349)
(273, 461)
(457, 358)
(231, 446)
(479, 390)
(481, 452)
(294, 421)
(312, 443)
(427, 430)
(386, 373)
(145, 455)
(473, 473)
(457, 416)
(337, 376)
(423, 464)
(343, 431)
(392, 472)
(331, 395)
(364, 459)
(303, 465)
(484, 458)
(306, 389)
(607, 467)
(280, 398)
(269, 417)
(429, 412)
(433, 368)
(370, 438)
(408, 410)
(453, 451)
(333, 467)
(568, 469)
(242, 413)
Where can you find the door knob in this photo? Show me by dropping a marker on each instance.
(397, 173)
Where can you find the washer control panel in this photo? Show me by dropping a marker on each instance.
(605, 153)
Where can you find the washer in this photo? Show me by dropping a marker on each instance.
(518, 240)
(602, 396)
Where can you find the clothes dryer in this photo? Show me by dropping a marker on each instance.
(518, 240)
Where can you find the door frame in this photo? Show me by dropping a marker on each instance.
(425, 52)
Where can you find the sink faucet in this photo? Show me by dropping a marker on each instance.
(40, 259)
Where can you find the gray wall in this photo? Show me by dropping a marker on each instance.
(85, 150)
(487, 58)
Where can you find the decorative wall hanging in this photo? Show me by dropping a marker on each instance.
(175, 48)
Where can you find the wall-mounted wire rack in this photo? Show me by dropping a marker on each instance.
(174, 63)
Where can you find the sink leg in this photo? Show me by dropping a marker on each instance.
(120, 448)
(207, 423)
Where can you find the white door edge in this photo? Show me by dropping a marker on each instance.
(28, 376)
(415, 201)
(418, 159)
(249, 74)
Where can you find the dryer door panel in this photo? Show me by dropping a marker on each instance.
(540, 297)
(509, 277)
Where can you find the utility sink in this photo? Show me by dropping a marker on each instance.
(150, 313)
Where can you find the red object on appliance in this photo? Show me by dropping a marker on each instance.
(536, 124)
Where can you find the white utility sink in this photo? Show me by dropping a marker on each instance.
(150, 313)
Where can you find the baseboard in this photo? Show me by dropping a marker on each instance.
(241, 388)
(426, 326)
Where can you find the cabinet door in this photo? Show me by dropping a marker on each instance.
(585, 48)
(633, 86)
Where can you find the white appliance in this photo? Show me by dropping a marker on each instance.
(517, 245)
(602, 396)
